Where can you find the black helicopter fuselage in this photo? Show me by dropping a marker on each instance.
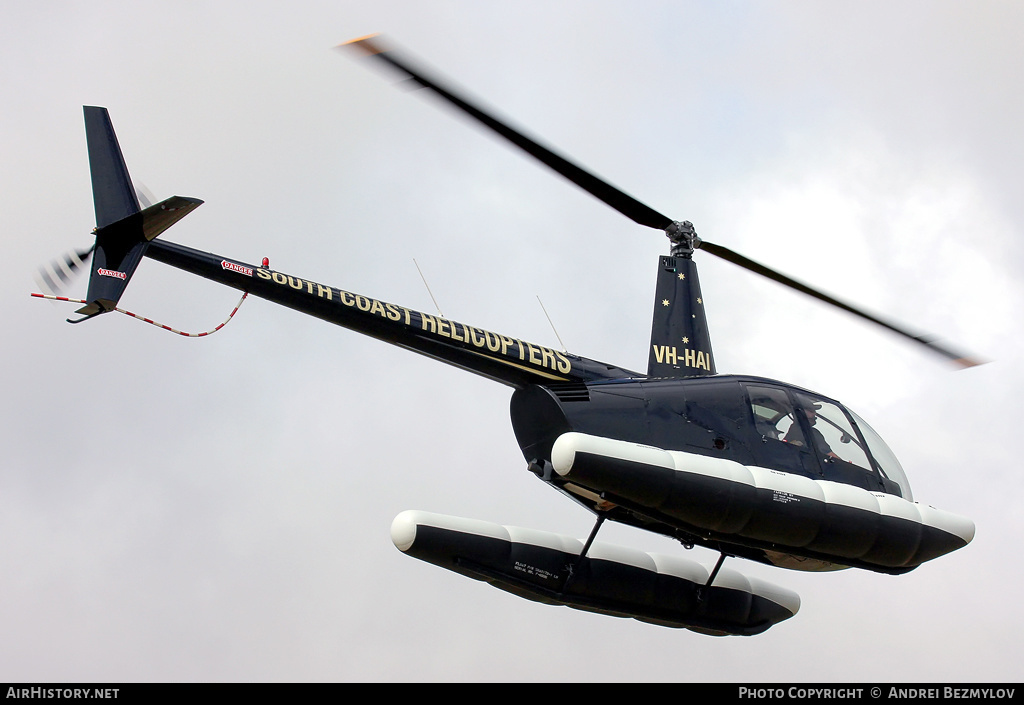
(742, 465)
(742, 422)
(714, 417)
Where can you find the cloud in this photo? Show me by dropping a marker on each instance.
(218, 509)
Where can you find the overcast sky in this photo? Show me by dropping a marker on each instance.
(219, 509)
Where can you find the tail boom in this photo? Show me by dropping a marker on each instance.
(501, 358)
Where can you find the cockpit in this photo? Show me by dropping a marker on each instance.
(750, 420)
(815, 436)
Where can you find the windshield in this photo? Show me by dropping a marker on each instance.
(831, 433)
(884, 458)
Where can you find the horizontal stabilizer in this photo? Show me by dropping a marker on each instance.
(163, 215)
(120, 247)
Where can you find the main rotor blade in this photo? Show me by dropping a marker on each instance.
(758, 268)
(619, 200)
(622, 202)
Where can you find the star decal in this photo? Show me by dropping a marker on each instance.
(682, 276)
(664, 302)
(699, 300)
(685, 339)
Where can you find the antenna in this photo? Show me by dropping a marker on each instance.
(551, 324)
(428, 287)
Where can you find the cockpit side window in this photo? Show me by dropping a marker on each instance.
(833, 437)
(812, 436)
(782, 441)
(773, 413)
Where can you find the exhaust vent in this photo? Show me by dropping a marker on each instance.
(570, 391)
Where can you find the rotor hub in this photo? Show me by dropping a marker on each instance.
(683, 237)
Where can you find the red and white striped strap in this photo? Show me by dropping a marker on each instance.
(150, 321)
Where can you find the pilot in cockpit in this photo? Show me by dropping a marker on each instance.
(795, 436)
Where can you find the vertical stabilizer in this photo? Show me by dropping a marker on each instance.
(680, 342)
(112, 190)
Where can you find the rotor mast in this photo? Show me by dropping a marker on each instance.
(680, 339)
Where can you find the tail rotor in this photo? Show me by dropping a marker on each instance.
(56, 276)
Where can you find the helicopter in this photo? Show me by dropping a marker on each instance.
(745, 466)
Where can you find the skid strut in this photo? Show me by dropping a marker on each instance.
(574, 567)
